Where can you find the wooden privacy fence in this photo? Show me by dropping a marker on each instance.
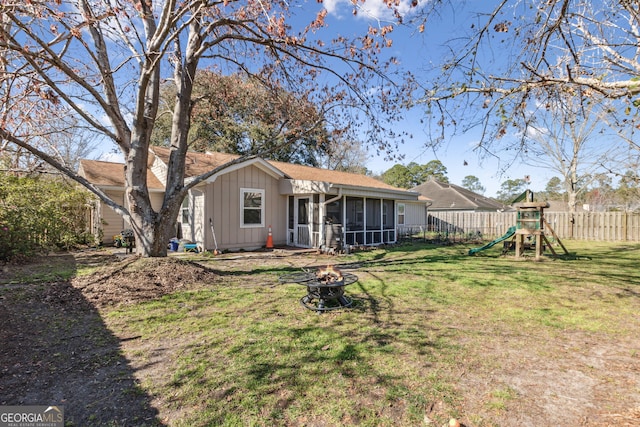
(597, 226)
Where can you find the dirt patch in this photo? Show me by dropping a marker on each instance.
(134, 280)
(55, 346)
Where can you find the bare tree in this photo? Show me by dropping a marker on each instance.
(344, 155)
(104, 62)
(519, 49)
(565, 135)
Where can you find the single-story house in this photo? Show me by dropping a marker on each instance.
(453, 198)
(301, 206)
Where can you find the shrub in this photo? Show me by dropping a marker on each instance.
(40, 213)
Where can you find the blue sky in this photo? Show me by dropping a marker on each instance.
(419, 52)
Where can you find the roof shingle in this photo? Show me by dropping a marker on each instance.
(110, 174)
(447, 196)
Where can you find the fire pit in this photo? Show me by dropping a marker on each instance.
(325, 288)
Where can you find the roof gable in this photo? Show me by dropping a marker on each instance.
(200, 163)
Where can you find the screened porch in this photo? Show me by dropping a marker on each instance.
(366, 221)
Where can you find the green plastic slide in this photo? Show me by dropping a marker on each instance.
(510, 232)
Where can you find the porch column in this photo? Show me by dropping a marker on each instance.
(364, 222)
(381, 221)
(344, 220)
(321, 214)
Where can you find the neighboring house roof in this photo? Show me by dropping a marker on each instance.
(447, 196)
(558, 206)
(110, 174)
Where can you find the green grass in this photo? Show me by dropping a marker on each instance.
(242, 352)
(500, 397)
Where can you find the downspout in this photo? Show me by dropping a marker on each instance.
(324, 211)
(335, 199)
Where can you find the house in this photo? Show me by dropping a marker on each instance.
(450, 197)
(454, 210)
(301, 206)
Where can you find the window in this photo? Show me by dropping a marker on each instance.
(186, 211)
(251, 207)
(334, 212)
(400, 213)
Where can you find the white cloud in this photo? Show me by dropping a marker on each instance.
(370, 9)
(332, 6)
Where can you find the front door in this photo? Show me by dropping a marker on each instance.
(302, 216)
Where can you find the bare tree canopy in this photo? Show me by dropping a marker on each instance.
(104, 62)
(564, 139)
(499, 74)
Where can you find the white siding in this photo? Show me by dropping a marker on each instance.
(199, 221)
(415, 213)
(223, 206)
(415, 217)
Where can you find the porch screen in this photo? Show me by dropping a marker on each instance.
(355, 213)
(374, 215)
(334, 212)
(388, 220)
(291, 215)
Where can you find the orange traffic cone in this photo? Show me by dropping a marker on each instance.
(270, 239)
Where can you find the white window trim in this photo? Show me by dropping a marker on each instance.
(403, 214)
(185, 210)
(242, 208)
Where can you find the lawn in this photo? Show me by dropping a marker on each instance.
(434, 334)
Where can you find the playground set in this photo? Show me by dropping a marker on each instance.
(530, 223)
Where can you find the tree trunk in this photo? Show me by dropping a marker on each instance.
(154, 229)
(152, 236)
(572, 201)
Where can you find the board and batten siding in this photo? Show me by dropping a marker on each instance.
(112, 222)
(198, 226)
(223, 207)
(192, 230)
(415, 214)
